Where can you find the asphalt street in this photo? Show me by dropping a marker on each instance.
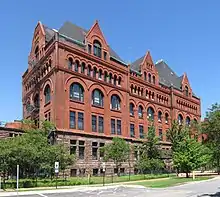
(209, 188)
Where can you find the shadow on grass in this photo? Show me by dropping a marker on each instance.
(211, 195)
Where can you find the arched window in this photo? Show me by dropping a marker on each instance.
(186, 90)
(97, 48)
(89, 71)
(83, 68)
(187, 120)
(149, 78)
(131, 109)
(145, 76)
(37, 101)
(100, 74)
(76, 92)
(115, 102)
(36, 52)
(105, 76)
(115, 80)
(154, 80)
(94, 72)
(70, 63)
(140, 111)
(180, 119)
(119, 81)
(110, 78)
(166, 118)
(159, 116)
(150, 113)
(47, 93)
(97, 98)
(76, 68)
(147, 94)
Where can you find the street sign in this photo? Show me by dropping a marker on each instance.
(56, 167)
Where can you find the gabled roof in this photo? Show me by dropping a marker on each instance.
(77, 33)
(136, 64)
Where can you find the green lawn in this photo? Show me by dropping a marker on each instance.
(168, 182)
(29, 183)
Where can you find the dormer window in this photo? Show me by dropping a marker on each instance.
(97, 48)
(149, 78)
(36, 53)
(186, 91)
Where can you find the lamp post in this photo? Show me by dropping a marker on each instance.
(103, 169)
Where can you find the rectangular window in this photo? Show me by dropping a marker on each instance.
(141, 131)
(72, 119)
(95, 172)
(73, 172)
(49, 116)
(81, 149)
(119, 127)
(94, 150)
(94, 123)
(73, 147)
(160, 135)
(101, 124)
(112, 126)
(132, 133)
(101, 153)
(80, 121)
(89, 49)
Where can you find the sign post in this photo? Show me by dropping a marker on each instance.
(103, 169)
(56, 168)
(17, 178)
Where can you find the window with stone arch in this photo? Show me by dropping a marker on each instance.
(70, 63)
(159, 116)
(140, 111)
(76, 92)
(97, 98)
(47, 94)
(166, 118)
(145, 76)
(154, 80)
(180, 119)
(187, 120)
(115, 102)
(186, 91)
(97, 48)
(150, 113)
(149, 78)
(131, 106)
(76, 67)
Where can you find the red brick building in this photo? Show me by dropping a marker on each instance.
(76, 80)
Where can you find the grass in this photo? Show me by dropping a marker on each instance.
(169, 182)
(30, 183)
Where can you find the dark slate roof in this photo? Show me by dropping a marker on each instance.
(49, 33)
(77, 33)
(167, 76)
(136, 64)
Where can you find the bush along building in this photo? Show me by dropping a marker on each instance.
(77, 81)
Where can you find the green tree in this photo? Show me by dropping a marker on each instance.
(150, 154)
(118, 151)
(211, 128)
(187, 153)
(190, 155)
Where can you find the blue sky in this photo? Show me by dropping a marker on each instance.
(186, 34)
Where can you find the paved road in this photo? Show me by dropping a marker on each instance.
(209, 188)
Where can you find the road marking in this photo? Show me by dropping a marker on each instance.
(42, 195)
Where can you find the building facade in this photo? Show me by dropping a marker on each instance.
(77, 81)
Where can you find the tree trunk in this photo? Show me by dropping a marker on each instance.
(187, 174)
(118, 172)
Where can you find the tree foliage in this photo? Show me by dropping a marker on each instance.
(32, 153)
(150, 154)
(187, 153)
(211, 129)
(118, 151)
